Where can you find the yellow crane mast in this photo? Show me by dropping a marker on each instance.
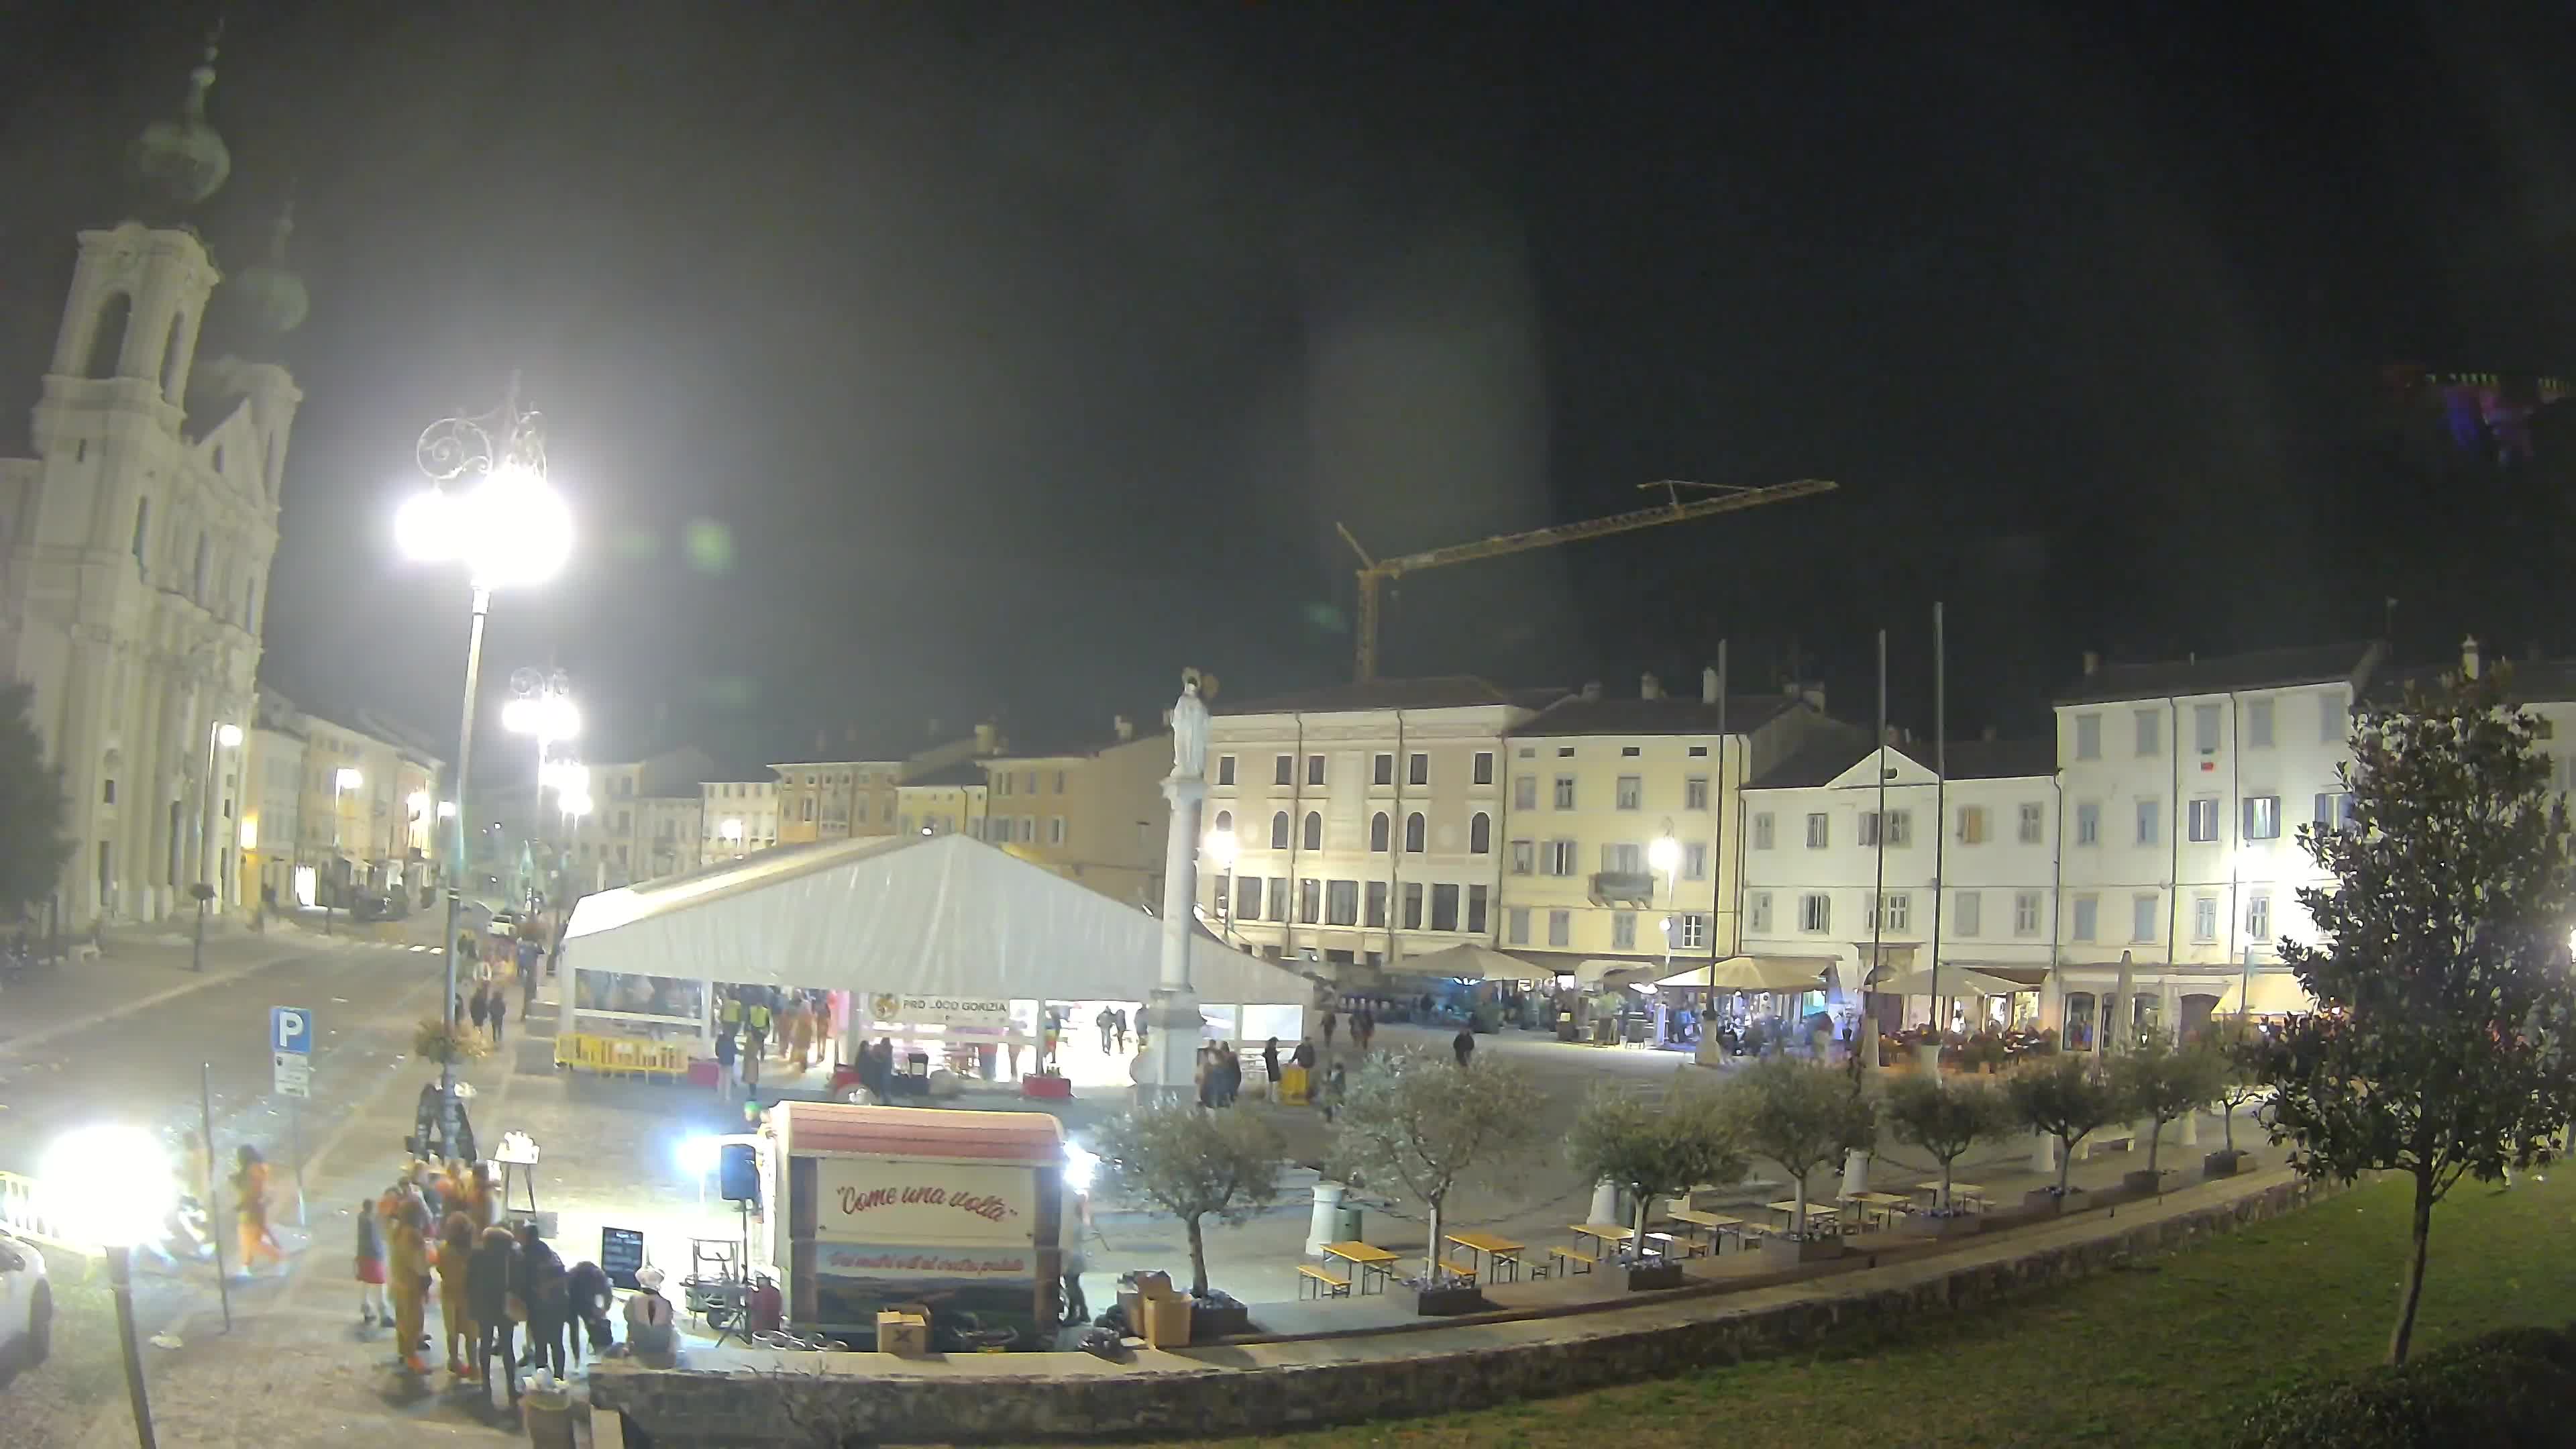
(1374, 572)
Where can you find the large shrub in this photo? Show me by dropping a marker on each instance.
(2508, 1389)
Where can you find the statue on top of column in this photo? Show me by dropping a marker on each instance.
(1189, 730)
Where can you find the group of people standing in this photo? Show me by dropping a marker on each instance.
(436, 1231)
(749, 1019)
(489, 1008)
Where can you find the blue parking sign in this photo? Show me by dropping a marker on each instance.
(290, 1029)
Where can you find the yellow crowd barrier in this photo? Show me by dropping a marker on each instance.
(621, 1054)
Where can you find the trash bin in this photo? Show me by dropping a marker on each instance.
(548, 1416)
(1346, 1224)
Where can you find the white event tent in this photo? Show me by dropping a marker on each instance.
(942, 916)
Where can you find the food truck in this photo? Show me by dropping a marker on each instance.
(867, 1209)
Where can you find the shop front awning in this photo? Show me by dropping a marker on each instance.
(1466, 962)
(942, 915)
(2271, 993)
(1756, 973)
(1955, 981)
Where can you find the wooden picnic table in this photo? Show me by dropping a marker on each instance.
(1365, 1259)
(1789, 1210)
(1716, 1225)
(1959, 1192)
(1607, 1234)
(1500, 1250)
(1887, 1203)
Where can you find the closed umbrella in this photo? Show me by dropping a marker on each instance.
(2115, 1012)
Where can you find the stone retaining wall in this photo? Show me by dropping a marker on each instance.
(1269, 1387)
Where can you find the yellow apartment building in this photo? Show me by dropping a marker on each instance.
(1368, 819)
(1091, 811)
(1595, 782)
(852, 797)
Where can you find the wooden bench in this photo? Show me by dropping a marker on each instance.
(1314, 1282)
(2123, 1141)
(1455, 1267)
(1671, 1246)
(1572, 1256)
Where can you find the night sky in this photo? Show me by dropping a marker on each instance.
(946, 360)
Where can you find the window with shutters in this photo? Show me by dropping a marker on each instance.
(1972, 825)
(2258, 917)
(1762, 831)
(1565, 792)
(2034, 822)
(2088, 913)
(1623, 930)
(1757, 911)
(1525, 792)
(2088, 822)
(1815, 912)
(1560, 928)
(2258, 724)
(1967, 913)
(1695, 793)
(2204, 918)
(1631, 793)
(2200, 819)
(1524, 857)
(1819, 833)
(2088, 737)
(1695, 860)
(2262, 817)
(2026, 913)
(1516, 926)
(2142, 917)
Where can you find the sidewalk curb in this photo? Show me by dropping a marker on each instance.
(10, 1046)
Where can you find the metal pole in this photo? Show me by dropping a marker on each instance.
(197, 947)
(120, 1279)
(1940, 809)
(214, 1219)
(482, 606)
(295, 1141)
(1878, 902)
(1725, 788)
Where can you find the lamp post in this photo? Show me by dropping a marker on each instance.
(113, 1184)
(1221, 848)
(222, 736)
(1664, 854)
(730, 832)
(489, 508)
(343, 780)
(541, 708)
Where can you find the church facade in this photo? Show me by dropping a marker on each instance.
(135, 549)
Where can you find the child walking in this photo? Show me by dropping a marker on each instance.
(372, 1308)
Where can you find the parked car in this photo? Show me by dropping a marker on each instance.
(26, 1303)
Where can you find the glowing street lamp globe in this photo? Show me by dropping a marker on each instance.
(1221, 848)
(549, 717)
(508, 527)
(347, 779)
(111, 1183)
(228, 735)
(1664, 854)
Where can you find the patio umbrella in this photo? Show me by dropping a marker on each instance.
(2115, 1015)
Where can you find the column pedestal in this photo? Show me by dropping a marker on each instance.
(1167, 1069)
(2043, 1154)
(1325, 1225)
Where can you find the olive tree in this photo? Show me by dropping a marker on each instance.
(1655, 1148)
(2440, 963)
(2162, 1082)
(1801, 1116)
(2068, 1100)
(1194, 1164)
(2235, 1044)
(1414, 1121)
(33, 843)
(1945, 1118)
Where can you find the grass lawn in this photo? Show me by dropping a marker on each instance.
(2168, 1352)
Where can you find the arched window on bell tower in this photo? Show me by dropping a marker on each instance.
(107, 335)
(175, 351)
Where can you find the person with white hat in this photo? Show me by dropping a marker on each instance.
(650, 1334)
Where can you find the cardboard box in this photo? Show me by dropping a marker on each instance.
(1154, 1285)
(903, 1334)
(1167, 1323)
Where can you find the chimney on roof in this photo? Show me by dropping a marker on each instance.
(1592, 692)
(2469, 657)
(1895, 737)
(1123, 726)
(1708, 685)
(2092, 662)
(1809, 691)
(984, 738)
(1649, 687)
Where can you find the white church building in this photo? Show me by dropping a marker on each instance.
(135, 545)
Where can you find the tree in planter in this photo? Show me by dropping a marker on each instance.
(1801, 1116)
(2065, 1099)
(1415, 1121)
(1194, 1164)
(33, 846)
(2162, 1081)
(1655, 1149)
(2233, 1042)
(2442, 1047)
(1945, 1119)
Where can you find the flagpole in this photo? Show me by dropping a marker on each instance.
(1878, 900)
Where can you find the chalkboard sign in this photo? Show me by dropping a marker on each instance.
(621, 1254)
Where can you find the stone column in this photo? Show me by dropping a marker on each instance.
(1167, 1068)
(1324, 1225)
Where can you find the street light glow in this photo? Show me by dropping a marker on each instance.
(446, 809)
(347, 778)
(228, 735)
(110, 1182)
(1221, 847)
(729, 830)
(547, 716)
(575, 805)
(1664, 854)
(510, 528)
(698, 1155)
(419, 802)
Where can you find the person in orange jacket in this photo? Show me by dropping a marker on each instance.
(455, 1310)
(408, 1264)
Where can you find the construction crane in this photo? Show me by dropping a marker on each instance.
(1374, 572)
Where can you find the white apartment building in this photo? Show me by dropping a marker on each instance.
(2184, 786)
(1368, 818)
(1835, 867)
(644, 821)
(737, 817)
(1595, 783)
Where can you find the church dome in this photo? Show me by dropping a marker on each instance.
(268, 292)
(183, 161)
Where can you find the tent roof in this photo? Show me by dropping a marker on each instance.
(1035, 1138)
(1756, 973)
(1466, 959)
(941, 914)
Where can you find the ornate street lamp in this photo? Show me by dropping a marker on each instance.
(489, 508)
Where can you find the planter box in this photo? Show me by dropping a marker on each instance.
(1645, 1276)
(2223, 1163)
(1448, 1302)
(1926, 1225)
(2044, 1202)
(2143, 1182)
(1820, 1250)
(1036, 1088)
(1220, 1319)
